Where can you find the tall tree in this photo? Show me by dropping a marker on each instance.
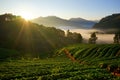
(93, 38)
(117, 38)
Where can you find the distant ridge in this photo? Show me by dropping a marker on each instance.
(73, 23)
(84, 22)
(110, 24)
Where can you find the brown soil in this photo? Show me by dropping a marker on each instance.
(116, 74)
(69, 55)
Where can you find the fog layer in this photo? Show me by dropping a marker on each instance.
(102, 38)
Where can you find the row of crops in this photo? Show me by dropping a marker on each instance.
(52, 69)
(106, 56)
(92, 52)
(93, 62)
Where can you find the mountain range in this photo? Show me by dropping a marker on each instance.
(73, 23)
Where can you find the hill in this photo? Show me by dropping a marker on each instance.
(109, 24)
(31, 39)
(73, 23)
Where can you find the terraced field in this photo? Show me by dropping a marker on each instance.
(89, 62)
(92, 53)
(107, 56)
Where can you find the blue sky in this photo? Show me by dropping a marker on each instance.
(88, 9)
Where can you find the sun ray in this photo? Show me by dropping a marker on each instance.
(26, 15)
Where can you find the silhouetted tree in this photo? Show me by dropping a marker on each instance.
(93, 38)
(74, 37)
(80, 39)
(77, 37)
(69, 34)
(117, 38)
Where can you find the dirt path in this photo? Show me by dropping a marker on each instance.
(69, 55)
(116, 74)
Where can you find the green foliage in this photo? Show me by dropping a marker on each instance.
(27, 37)
(93, 52)
(19, 38)
(95, 64)
(51, 69)
(8, 53)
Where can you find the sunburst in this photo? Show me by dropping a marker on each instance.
(26, 15)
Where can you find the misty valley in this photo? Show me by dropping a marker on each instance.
(103, 38)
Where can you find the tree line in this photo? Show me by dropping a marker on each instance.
(31, 38)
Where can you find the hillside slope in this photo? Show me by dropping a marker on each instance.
(109, 24)
(31, 38)
(92, 52)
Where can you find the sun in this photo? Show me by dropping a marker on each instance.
(26, 15)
